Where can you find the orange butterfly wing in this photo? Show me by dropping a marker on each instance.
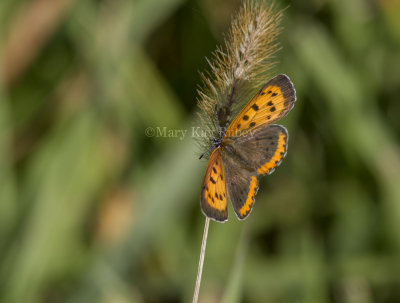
(276, 155)
(213, 200)
(273, 101)
(249, 156)
(251, 142)
(242, 186)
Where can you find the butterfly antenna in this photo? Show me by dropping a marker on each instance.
(211, 148)
(201, 260)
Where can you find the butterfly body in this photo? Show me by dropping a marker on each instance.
(250, 147)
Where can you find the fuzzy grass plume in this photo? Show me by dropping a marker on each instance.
(237, 68)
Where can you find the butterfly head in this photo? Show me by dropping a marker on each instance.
(216, 142)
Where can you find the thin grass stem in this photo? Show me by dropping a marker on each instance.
(201, 260)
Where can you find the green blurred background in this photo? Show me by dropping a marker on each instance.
(93, 210)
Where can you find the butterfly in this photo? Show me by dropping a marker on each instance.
(250, 147)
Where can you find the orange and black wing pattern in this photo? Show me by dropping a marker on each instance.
(262, 150)
(272, 102)
(246, 158)
(214, 203)
(242, 186)
(252, 146)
